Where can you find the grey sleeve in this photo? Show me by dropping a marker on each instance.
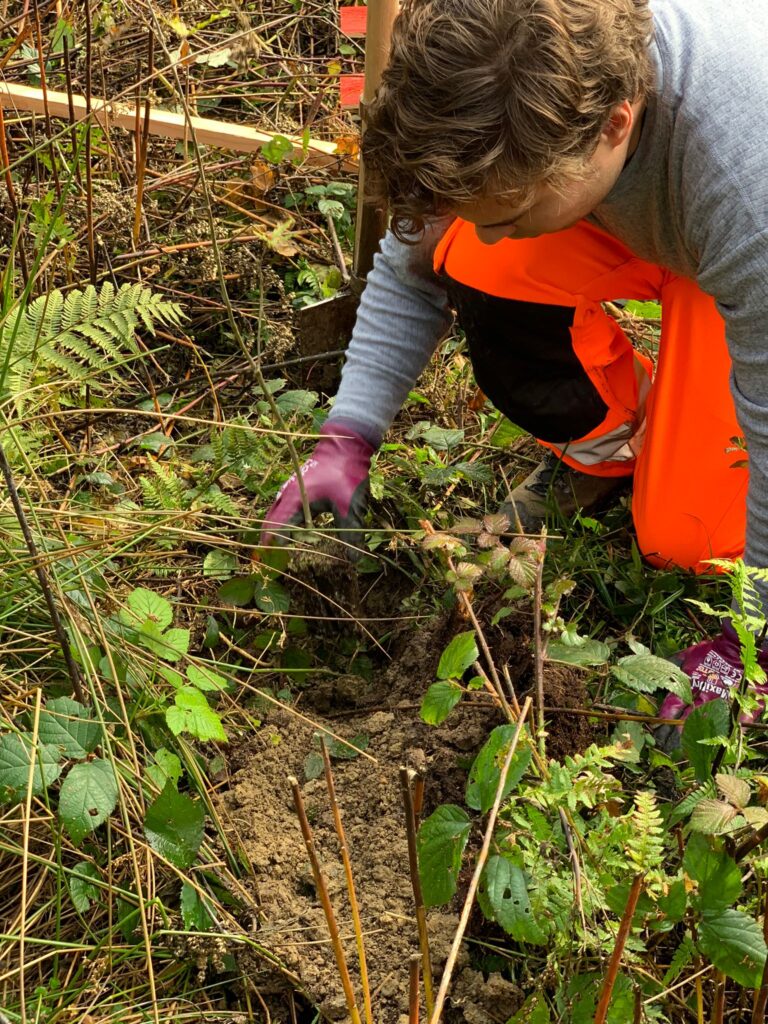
(403, 315)
(739, 280)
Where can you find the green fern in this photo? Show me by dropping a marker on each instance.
(61, 340)
(645, 846)
(165, 491)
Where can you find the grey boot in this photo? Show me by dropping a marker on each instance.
(553, 485)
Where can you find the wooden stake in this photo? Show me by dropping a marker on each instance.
(418, 898)
(618, 949)
(209, 132)
(350, 884)
(325, 900)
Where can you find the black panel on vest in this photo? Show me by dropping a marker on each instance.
(523, 357)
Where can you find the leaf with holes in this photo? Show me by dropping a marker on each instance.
(67, 725)
(441, 842)
(16, 754)
(87, 798)
(174, 826)
(503, 898)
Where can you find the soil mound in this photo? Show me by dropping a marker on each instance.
(384, 712)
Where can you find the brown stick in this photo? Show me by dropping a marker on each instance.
(718, 1006)
(482, 857)
(413, 991)
(345, 859)
(418, 898)
(325, 900)
(621, 940)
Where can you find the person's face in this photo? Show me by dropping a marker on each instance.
(551, 211)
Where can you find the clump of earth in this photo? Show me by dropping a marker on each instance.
(259, 813)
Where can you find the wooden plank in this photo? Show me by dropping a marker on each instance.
(351, 89)
(209, 132)
(353, 21)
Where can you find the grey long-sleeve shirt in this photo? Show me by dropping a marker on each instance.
(693, 199)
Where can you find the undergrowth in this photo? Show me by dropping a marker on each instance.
(144, 453)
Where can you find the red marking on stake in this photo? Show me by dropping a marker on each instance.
(353, 21)
(351, 87)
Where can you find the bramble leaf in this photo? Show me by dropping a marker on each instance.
(503, 898)
(485, 772)
(66, 725)
(87, 798)
(460, 653)
(734, 943)
(439, 700)
(191, 713)
(441, 842)
(174, 826)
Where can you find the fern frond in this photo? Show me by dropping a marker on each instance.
(645, 845)
(683, 955)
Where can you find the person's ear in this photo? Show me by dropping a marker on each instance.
(618, 127)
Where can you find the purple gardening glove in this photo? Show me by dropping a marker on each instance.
(335, 479)
(715, 669)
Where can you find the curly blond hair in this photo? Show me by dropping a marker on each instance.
(493, 97)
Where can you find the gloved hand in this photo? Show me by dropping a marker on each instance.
(335, 480)
(715, 669)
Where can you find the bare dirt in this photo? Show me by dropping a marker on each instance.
(260, 811)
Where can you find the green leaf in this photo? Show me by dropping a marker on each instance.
(87, 798)
(82, 891)
(441, 842)
(734, 943)
(204, 679)
(167, 766)
(276, 149)
(503, 898)
(485, 773)
(144, 605)
(192, 714)
(314, 766)
(174, 826)
(16, 753)
(505, 433)
(647, 673)
(194, 912)
(533, 1011)
(66, 725)
(589, 652)
(646, 310)
(170, 646)
(713, 817)
(439, 438)
(344, 751)
(297, 401)
(717, 874)
(703, 723)
(439, 700)
(219, 565)
(238, 591)
(460, 653)
(272, 597)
